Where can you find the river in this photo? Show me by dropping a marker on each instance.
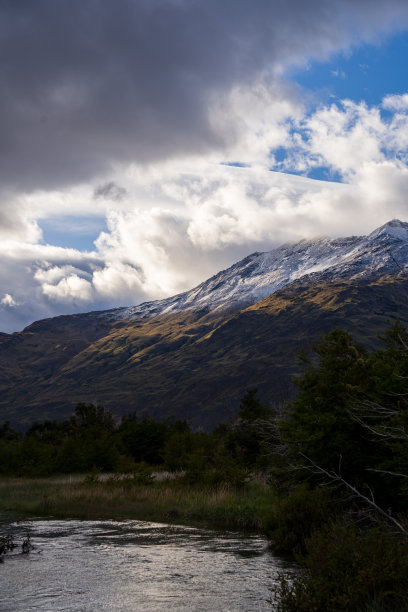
(135, 566)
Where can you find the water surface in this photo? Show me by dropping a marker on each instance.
(135, 566)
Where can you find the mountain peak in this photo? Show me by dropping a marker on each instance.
(261, 274)
(394, 228)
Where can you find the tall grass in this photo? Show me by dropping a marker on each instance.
(248, 507)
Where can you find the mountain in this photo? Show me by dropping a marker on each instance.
(194, 355)
(360, 257)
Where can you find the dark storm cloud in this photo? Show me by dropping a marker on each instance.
(110, 191)
(87, 83)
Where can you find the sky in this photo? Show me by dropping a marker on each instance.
(147, 144)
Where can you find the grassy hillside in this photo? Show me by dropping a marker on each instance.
(185, 365)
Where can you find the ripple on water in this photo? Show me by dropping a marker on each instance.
(81, 566)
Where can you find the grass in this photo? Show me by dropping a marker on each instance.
(247, 508)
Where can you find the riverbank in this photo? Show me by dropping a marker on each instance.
(249, 507)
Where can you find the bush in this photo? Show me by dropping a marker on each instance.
(348, 570)
(296, 516)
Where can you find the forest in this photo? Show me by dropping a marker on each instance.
(91, 441)
(334, 462)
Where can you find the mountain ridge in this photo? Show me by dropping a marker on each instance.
(196, 362)
(246, 281)
(260, 274)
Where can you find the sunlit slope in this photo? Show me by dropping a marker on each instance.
(32, 358)
(194, 367)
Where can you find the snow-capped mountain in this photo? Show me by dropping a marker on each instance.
(198, 367)
(384, 251)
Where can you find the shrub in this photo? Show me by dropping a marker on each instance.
(296, 516)
(349, 570)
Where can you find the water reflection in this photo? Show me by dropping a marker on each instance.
(135, 566)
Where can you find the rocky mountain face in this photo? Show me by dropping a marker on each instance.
(194, 355)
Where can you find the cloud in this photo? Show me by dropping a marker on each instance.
(338, 73)
(23, 275)
(222, 214)
(180, 222)
(72, 287)
(8, 301)
(110, 191)
(93, 84)
(210, 214)
(346, 135)
(17, 220)
(396, 102)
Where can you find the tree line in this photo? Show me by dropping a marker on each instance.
(90, 440)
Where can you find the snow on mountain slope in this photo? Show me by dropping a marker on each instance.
(384, 251)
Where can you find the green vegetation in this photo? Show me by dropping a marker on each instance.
(341, 464)
(140, 468)
(326, 479)
(91, 441)
(138, 496)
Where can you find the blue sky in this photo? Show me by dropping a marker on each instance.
(145, 146)
(366, 71)
(72, 232)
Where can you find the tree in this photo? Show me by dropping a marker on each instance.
(243, 440)
(92, 442)
(349, 421)
(317, 423)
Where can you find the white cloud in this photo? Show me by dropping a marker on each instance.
(55, 274)
(66, 283)
(70, 288)
(338, 73)
(122, 280)
(8, 301)
(341, 137)
(254, 121)
(210, 213)
(383, 188)
(396, 102)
